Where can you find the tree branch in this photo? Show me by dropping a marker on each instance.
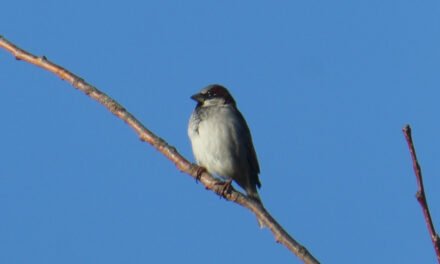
(420, 194)
(281, 236)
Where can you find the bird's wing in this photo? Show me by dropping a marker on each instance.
(250, 152)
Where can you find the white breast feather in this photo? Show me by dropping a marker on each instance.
(214, 145)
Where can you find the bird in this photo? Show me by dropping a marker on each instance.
(221, 140)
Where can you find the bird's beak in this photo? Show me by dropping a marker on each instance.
(198, 97)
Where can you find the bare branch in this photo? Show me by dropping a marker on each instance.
(281, 236)
(420, 194)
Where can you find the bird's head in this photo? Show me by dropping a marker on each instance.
(213, 95)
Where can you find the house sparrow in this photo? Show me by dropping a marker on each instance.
(221, 140)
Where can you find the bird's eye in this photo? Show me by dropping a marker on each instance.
(211, 94)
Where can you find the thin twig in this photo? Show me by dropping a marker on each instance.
(281, 236)
(420, 195)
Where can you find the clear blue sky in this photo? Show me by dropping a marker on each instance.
(326, 87)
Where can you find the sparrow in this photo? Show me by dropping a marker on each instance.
(221, 140)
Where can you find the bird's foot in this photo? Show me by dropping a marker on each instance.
(225, 189)
(199, 172)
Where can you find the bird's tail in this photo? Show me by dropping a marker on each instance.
(253, 194)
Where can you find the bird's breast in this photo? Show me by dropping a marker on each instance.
(214, 142)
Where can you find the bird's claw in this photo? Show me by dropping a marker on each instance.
(199, 172)
(225, 189)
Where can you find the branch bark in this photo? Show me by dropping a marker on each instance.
(420, 194)
(281, 236)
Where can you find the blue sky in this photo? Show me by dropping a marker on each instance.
(326, 87)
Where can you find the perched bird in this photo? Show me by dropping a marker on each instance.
(221, 140)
